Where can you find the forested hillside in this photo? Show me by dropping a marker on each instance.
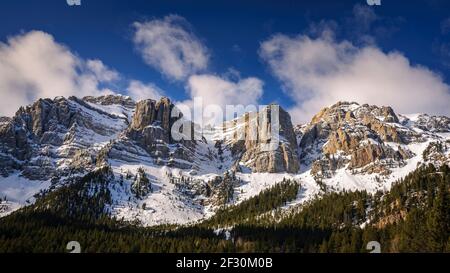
(413, 217)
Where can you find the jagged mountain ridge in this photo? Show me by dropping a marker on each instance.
(79, 124)
(56, 140)
(364, 139)
(50, 142)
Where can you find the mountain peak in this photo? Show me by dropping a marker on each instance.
(347, 111)
(111, 100)
(63, 139)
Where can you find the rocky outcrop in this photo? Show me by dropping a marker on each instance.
(48, 120)
(354, 136)
(371, 153)
(55, 136)
(151, 129)
(438, 151)
(14, 140)
(250, 138)
(58, 137)
(111, 100)
(154, 119)
(14, 146)
(326, 167)
(434, 124)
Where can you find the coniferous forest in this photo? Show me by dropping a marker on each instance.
(414, 216)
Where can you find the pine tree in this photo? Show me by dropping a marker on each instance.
(438, 222)
(141, 185)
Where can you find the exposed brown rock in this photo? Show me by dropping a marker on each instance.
(111, 100)
(151, 128)
(248, 144)
(354, 134)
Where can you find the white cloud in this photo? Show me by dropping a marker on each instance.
(33, 65)
(102, 72)
(222, 92)
(216, 93)
(140, 91)
(361, 23)
(170, 46)
(319, 72)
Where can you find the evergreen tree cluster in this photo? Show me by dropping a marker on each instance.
(413, 217)
(86, 197)
(247, 211)
(141, 185)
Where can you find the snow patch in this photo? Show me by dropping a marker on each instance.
(19, 192)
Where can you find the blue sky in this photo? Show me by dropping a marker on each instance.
(232, 34)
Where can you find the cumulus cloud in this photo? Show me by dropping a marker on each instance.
(140, 91)
(363, 26)
(33, 65)
(361, 23)
(170, 46)
(102, 72)
(220, 91)
(319, 72)
(215, 93)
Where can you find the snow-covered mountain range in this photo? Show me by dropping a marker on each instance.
(155, 179)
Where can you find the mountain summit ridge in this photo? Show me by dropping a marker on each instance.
(346, 146)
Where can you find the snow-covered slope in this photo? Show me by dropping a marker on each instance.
(16, 191)
(50, 141)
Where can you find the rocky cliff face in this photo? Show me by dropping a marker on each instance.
(150, 129)
(362, 138)
(429, 123)
(108, 100)
(59, 134)
(74, 134)
(54, 142)
(254, 145)
(53, 138)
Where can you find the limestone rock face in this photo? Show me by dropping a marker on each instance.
(250, 140)
(144, 115)
(111, 100)
(434, 124)
(151, 128)
(67, 136)
(13, 146)
(347, 146)
(354, 136)
(438, 151)
(53, 136)
(13, 140)
(156, 115)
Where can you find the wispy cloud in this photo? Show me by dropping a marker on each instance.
(319, 72)
(170, 46)
(33, 65)
(140, 91)
(363, 26)
(102, 72)
(222, 91)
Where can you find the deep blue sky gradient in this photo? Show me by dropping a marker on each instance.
(101, 29)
